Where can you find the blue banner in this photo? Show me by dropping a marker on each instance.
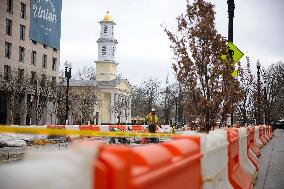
(45, 25)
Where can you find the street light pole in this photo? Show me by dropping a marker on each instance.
(231, 14)
(68, 68)
(258, 118)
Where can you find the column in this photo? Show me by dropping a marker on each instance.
(112, 116)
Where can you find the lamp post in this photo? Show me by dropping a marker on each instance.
(266, 120)
(231, 10)
(68, 68)
(231, 14)
(258, 118)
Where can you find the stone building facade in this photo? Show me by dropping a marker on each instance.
(28, 68)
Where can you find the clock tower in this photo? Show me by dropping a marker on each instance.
(106, 67)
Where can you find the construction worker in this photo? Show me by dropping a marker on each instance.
(153, 122)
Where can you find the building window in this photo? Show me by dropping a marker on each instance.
(53, 82)
(43, 80)
(23, 10)
(44, 61)
(103, 50)
(34, 42)
(44, 46)
(21, 54)
(105, 28)
(8, 52)
(8, 27)
(113, 51)
(21, 75)
(7, 72)
(54, 61)
(10, 6)
(54, 50)
(22, 32)
(33, 78)
(34, 58)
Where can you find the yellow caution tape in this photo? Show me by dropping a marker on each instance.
(51, 131)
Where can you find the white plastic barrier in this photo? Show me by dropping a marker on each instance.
(256, 137)
(245, 162)
(104, 128)
(69, 169)
(214, 164)
(165, 129)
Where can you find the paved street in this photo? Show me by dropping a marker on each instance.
(271, 173)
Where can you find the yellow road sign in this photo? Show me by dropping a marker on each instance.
(233, 53)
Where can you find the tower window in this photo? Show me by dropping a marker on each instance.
(8, 27)
(113, 51)
(104, 50)
(105, 28)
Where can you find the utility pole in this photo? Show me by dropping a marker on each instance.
(231, 10)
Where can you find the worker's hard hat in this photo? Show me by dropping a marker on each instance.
(153, 109)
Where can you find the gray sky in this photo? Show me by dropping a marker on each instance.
(143, 48)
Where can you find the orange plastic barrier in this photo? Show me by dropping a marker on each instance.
(95, 128)
(261, 137)
(176, 164)
(265, 133)
(251, 142)
(137, 128)
(252, 145)
(85, 127)
(237, 176)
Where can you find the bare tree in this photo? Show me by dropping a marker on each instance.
(82, 101)
(274, 104)
(121, 106)
(20, 89)
(144, 97)
(248, 88)
(209, 89)
(86, 73)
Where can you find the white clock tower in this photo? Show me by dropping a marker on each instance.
(106, 67)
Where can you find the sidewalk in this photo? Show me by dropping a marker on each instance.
(271, 163)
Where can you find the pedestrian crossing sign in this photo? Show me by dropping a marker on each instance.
(233, 53)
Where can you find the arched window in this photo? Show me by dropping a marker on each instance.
(103, 50)
(105, 28)
(113, 51)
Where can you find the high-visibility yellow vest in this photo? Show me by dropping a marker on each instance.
(152, 119)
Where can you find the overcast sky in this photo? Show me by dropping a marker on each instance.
(143, 47)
